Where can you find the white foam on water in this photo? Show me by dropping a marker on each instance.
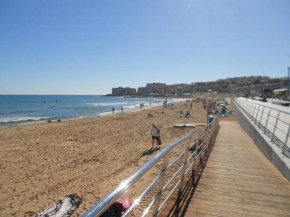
(107, 104)
(130, 107)
(105, 113)
(20, 119)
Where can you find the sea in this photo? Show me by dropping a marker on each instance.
(27, 109)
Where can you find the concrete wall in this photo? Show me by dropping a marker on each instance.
(263, 142)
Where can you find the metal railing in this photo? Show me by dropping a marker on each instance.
(274, 123)
(196, 144)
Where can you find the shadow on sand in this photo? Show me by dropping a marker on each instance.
(150, 151)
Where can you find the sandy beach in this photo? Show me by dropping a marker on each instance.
(40, 163)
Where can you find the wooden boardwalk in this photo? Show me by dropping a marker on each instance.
(237, 181)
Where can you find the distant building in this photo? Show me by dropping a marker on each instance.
(120, 91)
(258, 88)
(142, 90)
(156, 87)
(280, 92)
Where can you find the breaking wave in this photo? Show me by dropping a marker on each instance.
(22, 119)
(107, 104)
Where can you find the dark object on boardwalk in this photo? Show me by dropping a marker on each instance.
(65, 207)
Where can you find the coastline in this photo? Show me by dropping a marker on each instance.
(44, 117)
(23, 110)
(81, 117)
(87, 156)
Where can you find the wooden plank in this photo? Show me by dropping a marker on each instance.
(238, 180)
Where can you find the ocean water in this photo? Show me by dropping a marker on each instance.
(23, 109)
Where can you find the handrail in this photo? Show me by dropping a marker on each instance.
(288, 113)
(208, 132)
(268, 122)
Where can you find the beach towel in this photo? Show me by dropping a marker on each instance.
(125, 203)
(65, 207)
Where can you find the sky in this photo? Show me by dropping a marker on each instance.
(90, 46)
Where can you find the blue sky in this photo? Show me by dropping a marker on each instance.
(90, 46)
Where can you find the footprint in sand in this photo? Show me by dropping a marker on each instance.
(29, 213)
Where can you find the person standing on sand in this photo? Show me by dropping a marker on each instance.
(155, 132)
(113, 110)
(122, 109)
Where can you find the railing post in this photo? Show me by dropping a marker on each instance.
(195, 156)
(253, 110)
(275, 126)
(161, 184)
(247, 108)
(207, 139)
(257, 114)
(267, 120)
(261, 117)
(286, 139)
(253, 113)
(184, 164)
(250, 109)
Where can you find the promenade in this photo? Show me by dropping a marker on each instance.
(237, 180)
(276, 118)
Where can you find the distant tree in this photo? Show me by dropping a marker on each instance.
(274, 80)
(256, 81)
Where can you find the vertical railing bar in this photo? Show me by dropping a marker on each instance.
(257, 115)
(251, 107)
(261, 117)
(250, 110)
(195, 154)
(161, 183)
(286, 139)
(184, 164)
(275, 126)
(267, 120)
(247, 112)
(247, 108)
(254, 112)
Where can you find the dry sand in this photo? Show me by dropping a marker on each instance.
(41, 163)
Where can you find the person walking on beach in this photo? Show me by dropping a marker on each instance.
(122, 109)
(155, 132)
(113, 110)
